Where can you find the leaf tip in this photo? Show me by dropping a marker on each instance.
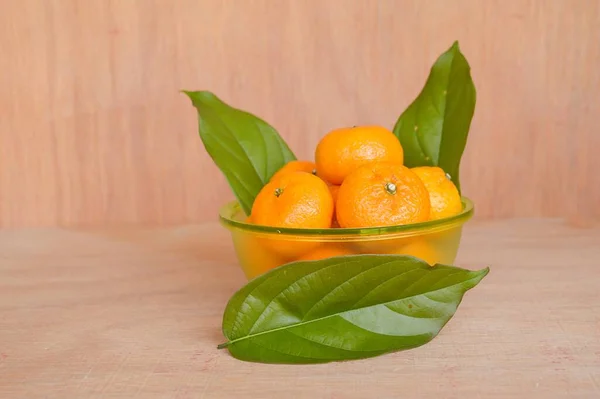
(480, 274)
(455, 45)
(188, 93)
(191, 95)
(198, 96)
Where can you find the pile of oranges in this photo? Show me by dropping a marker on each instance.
(358, 179)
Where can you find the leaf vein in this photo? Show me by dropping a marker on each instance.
(379, 285)
(418, 139)
(285, 288)
(342, 284)
(335, 347)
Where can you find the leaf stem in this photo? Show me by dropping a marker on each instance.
(223, 345)
(390, 188)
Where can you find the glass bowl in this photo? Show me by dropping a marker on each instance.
(261, 248)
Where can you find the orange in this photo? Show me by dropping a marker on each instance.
(438, 247)
(382, 194)
(381, 246)
(443, 194)
(344, 150)
(294, 200)
(334, 190)
(255, 257)
(326, 251)
(296, 166)
(423, 249)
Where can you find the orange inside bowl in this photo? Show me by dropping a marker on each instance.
(261, 248)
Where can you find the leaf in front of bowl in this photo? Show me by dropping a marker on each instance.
(433, 129)
(246, 149)
(343, 308)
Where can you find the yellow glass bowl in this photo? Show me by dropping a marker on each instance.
(261, 248)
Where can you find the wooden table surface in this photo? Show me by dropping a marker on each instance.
(136, 313)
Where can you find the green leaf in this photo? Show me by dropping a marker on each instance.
(341, 308)
(433, 129)
(245, 148)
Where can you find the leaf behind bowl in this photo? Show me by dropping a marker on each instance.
(246, 149)
(433, 129)
(342, 308)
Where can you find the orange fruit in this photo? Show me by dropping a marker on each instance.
(334, 190)
(344, 150)
(296, 166)
(422, 249)
(295, 200)
(254, 257)
(439, 247)
(326, 251)
(443, 194)
(381, 246)
(382, 194)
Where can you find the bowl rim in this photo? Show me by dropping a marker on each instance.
(228, 211)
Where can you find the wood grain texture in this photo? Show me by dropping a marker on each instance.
(94, 130)
(137, 314)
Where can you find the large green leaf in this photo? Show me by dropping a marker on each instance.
(346, 307)
(433, 129)
(245, 148)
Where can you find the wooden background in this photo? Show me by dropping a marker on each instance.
(94, 130)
